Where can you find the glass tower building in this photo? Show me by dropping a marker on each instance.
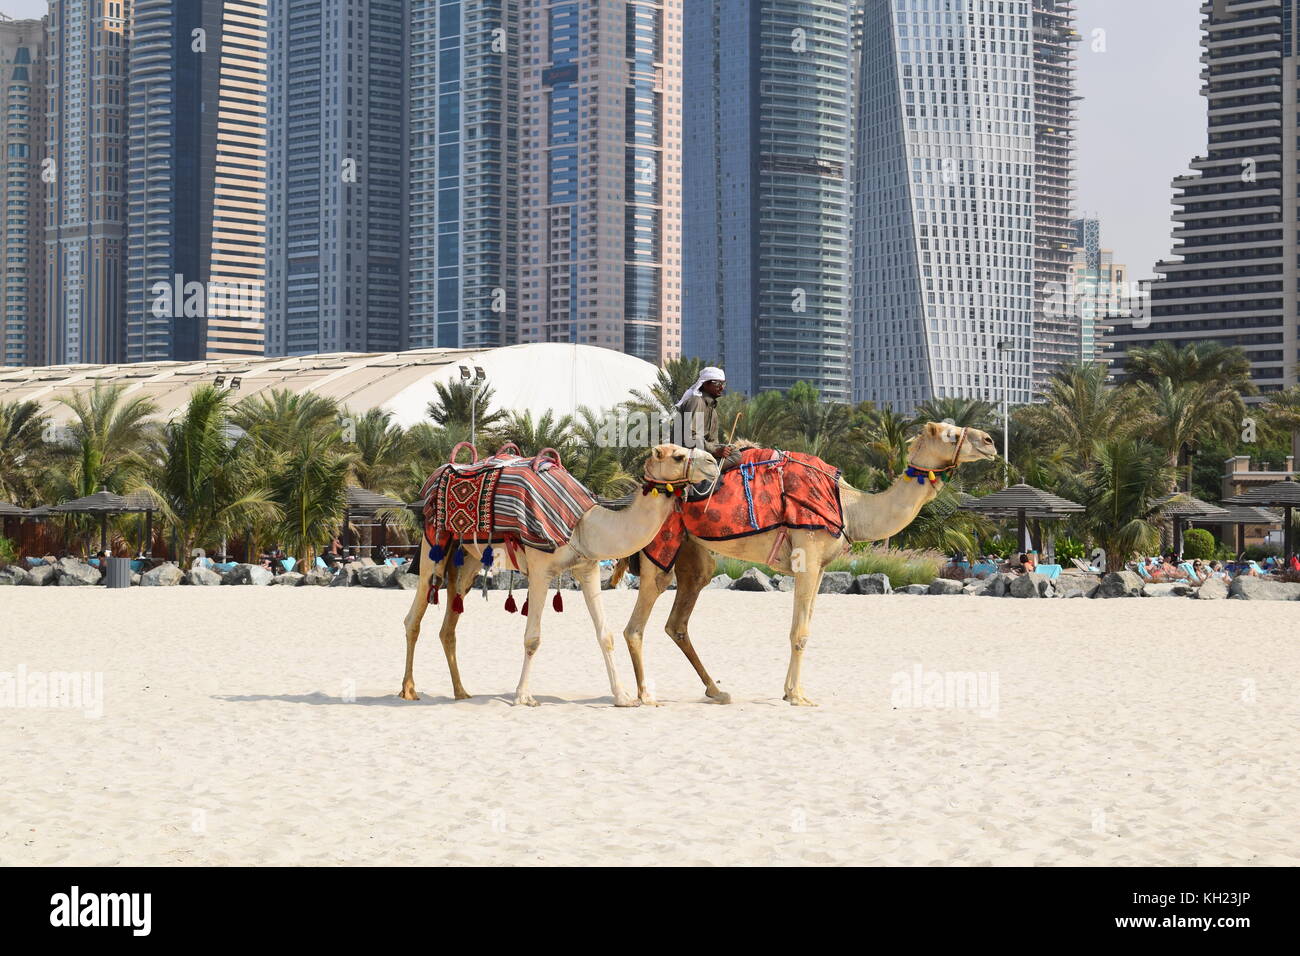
(944, 205)
(464, 154)
(336, 176)
(601, 174)
(767, 141)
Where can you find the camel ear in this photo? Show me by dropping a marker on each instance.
(933, 428)
(660, 451)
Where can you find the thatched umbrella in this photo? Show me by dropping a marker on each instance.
(103, 503)
(1024, 502)
(1280, 494)
(11, 511)
(1180, 506)
(1240, 516)
(363, 503)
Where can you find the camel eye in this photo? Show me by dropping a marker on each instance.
(679, 457)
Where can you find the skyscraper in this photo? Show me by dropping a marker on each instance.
(22, 195)
(464, 135)
(1099, 288)
(196, 179)
(943, 298)
(336, 176)
(85, 176)
(601, 177)
(1056, 334)
(1233, 278)
(767, 145)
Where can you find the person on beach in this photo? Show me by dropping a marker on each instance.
(696, 425)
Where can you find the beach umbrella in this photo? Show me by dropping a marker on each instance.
(1180, 506)
(1240, 516)
(363, 503)
(1280, 494)
(1024, 502)
(102, 503)
(11, 511)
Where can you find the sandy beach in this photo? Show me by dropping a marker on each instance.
(262, 726)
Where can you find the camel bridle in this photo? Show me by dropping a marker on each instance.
(942, 473)
(671, 486)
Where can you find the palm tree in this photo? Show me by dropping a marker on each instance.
(452, 406)
(1119, 493)
(887, 434)
(280, 415)
(1193, 362)
(203, 490)
(674, 378)
(820, 428)
(962, 412)
(605, 469)
(532, 437)
(1079, 409)
(310, 486)
(381, 451)
(1282, 415)
(106, 440)
(1179, 416)
(24, 452)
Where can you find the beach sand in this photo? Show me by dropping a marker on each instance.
(262, 726)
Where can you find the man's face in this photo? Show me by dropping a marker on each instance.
(713, 389)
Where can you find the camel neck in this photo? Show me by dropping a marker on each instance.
(869, 517)
(605, 533)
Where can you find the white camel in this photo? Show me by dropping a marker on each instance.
(600, 533)
(939, 448)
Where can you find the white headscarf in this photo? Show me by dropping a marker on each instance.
(708, 374)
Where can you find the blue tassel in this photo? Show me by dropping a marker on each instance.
(436, 553)
(487, 557)
(458, 558)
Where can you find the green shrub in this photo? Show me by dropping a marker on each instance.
(1067, 548)
(1198, 543)
(8, 552)
(902, 566)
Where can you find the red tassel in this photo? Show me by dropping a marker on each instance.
(433, 594)
(558, 603)
(458, 605)
(511, 606)
(524, 610)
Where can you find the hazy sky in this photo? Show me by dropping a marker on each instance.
(1141, 120)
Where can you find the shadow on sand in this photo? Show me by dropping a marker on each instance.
(320, 699)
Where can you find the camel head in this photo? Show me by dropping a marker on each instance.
(941, 446)
(673, 463)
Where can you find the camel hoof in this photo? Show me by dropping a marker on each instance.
(648, 700)
(798, 700)
(721, 696)
(526, 700)
(462, 694)
(408, 693)
(622, 700)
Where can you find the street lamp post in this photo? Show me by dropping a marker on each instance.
(1005, 348)
(473, 378)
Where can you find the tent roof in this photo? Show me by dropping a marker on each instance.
(1035, 502)
(1182, 504)
(1240, 514)
(362, 501)
(1278, 493)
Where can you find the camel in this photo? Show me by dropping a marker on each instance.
(939, 448)
(601, 533)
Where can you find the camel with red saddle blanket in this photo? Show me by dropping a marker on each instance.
(799, 537)
(529, 515)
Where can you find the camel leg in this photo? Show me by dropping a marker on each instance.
(459, 581)
(694, 568)
(652, 584)
(806, 585)
(414, 616)
(539, 576)
(590, 580)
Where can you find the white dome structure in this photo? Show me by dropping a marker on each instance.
(536, 377)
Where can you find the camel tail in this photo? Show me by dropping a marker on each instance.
(631, 562)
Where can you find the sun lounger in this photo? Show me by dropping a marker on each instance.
(983, 568)
(289, 563)
(1084, 566)
(1142, 570)
(1050, 571)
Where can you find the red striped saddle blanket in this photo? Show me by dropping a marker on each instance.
(768, 489)
(504, 499)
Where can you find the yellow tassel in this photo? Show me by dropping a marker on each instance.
(670, 489)
(932, 478)
(654, 491)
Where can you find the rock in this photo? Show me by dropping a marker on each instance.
(914, 589)
(975, 588)
(752, 580)
(344, 577)
(202, 577)
(253, 574)
(719, 581)
(1118, 584)
(836, 582)
(166, 575)
(784, 582)
(944, 586)
(12, 575)
(1215, 589)
(365, 563)
(40, 576)
(1260, 589)
(374, 575)
(289, 579)
(997, 585)
(402, 579)
(1172, 589)
(73, 573)
(317, 577)
(1030, 585)
(1075, 586)
(566, 582)
(135, 579)
(872, 584)
(501, 581)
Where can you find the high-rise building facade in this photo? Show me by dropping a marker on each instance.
(1099, 289)
(22, 194)
(336, 176)
(766, 206)
(1057, 335)
(1233, 278)
(464, 155)
(601, 174)
(85, 179)
(196, 179)
(944, 229)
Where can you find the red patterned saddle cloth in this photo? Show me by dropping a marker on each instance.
(768, 489)
(504, 498)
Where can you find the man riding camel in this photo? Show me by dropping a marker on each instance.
(696, 423)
